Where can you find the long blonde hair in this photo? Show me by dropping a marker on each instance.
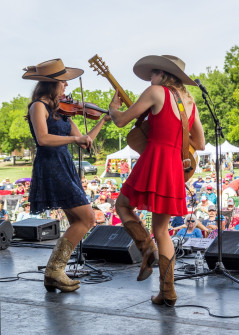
(169, 79)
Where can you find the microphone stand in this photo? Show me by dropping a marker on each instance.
(219, 268)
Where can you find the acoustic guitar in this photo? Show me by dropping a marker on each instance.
(137, 137)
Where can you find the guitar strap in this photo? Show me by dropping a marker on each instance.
(185, 147)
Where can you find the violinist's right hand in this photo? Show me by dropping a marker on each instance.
(84, 141)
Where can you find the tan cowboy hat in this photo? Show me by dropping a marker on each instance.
(51, 70)
(174, 65)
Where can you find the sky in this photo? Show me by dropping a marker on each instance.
(121, 32)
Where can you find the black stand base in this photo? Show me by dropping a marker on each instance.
(219, 269)
(81, 260)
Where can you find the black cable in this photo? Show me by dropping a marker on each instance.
(8, 279)
(178, 246)
(96, 278)
(31, 245)
(17, 277)
(207, 309)
(30, 279)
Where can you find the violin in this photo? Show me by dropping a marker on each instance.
(70, 107)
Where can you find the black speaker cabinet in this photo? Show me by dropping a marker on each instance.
(111, 243)
(6, 232)
(230, 251)
(37, 229)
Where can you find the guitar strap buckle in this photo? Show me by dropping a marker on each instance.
(187, 165)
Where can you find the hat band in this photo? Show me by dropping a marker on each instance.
(57, 74)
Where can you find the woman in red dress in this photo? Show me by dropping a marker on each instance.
(157, 180)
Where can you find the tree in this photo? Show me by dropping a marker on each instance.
(223, 88)
(8, 113)
(231, 65)
(220, 89)
(109, 134)
(20, 131)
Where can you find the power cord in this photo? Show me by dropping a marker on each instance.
(208, 309)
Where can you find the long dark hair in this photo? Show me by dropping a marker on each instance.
(47, 90)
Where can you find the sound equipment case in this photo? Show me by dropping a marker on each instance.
(230, 251)
(111, 243)
(6, 232)
(37, 229)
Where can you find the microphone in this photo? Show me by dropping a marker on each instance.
(200, 85)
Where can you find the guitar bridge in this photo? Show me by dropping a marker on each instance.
(188, 168)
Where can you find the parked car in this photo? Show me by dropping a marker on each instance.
(86, 167)
(7, 159)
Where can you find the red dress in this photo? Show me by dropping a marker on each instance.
(156, 182)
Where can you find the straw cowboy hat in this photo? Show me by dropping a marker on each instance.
(174, 65)
(26, 203)
(51, 70)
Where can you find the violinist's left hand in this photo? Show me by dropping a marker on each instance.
(107, 118)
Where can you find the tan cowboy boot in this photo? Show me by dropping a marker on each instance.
(167, 294)
(55, 276)
(146, 245)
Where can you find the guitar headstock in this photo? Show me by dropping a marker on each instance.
(99, 65)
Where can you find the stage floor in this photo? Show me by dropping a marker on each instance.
(119, 306)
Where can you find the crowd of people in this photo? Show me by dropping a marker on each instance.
(100, 194)
(201, 202)
(202, 205)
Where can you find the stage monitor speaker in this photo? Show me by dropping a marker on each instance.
(6, 232)
(37, 229)
(111, 243)
(230, 251)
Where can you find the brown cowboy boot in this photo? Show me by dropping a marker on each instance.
(167, 294)
(55, 276)
(146, 245)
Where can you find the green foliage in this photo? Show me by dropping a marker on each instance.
(220, 89)
(231, 65)
(12, 122)
(109, 134)
(223, 87)
(20, 131)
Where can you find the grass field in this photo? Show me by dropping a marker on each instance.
(22, 170)
(15, 172)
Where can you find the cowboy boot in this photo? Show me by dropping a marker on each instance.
(146, 245)
(167, 294)
(55, 276)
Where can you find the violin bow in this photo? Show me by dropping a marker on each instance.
(84, 112)
(83, 103)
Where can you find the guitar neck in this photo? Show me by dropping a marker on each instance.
(124, 97)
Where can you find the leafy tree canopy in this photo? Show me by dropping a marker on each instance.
(9, 114)
(223, 87)
(220, 89)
